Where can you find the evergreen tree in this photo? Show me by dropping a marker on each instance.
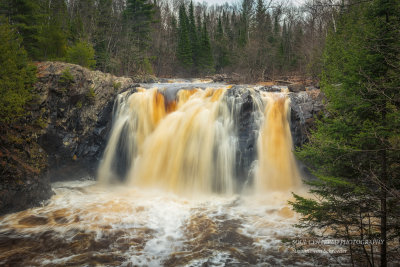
(206, 62)
(260, 22)
(355, 149)
(245, 18)
(16, 75)
(28, 18)
(184, 52)
(221, 48)
(139, 16)
(103, 30)
(194, 42)
(53, 40)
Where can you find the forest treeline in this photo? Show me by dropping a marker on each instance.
(257, 39)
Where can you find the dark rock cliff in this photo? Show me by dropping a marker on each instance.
(305, 108)
(248, 110)
(77, 107)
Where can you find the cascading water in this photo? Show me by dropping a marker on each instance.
(277, 168)
(193, 175)
(183, 145)
(186, 141)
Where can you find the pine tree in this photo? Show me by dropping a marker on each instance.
(260, 21)
(355, 149)
(16, 75)
(184, 52)
(245, 18)
(139, 16)
(53, 40)
(28, 17)
(194, 40)
(221, 48)
(103, 30)
(82, 53)
(206, 61)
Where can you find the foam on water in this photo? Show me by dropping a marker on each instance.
(119, 225)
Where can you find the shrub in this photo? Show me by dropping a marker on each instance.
(66, 77)
(91, 94)
(116, 85)
(82, 53)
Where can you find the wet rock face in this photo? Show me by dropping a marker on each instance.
(305, 106)
(23, 165)
(248, 114)
(76, 104)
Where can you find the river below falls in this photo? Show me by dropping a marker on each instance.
(85, 224)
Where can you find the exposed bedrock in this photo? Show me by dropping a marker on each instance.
(76, 104)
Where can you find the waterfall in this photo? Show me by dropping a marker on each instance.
(176, 157)
(277, 166)
(201, 140)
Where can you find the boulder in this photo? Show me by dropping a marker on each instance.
(296, 87)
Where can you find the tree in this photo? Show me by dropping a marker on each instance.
(184, 48)
(54, 33)
(16, 75)
(206, 61)
(82, 53)
(355, 149)
(261, 23)
(27, 17)
(221, 48)
(102, 34)
(245, 18)
(139, 16)
(194, 40)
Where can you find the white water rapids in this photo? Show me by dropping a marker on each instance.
(85, 224)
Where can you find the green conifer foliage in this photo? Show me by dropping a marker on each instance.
(206, 62)
(184, 52)
(139, 16)
(245, 18)
(194, 40)
(16, 75)
(82, 53)
(221, 48)
(53, 39)
(355, 149)
(28, 17)
(104, 28)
